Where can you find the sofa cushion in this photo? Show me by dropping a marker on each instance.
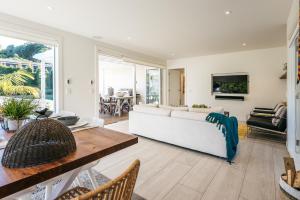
(189, 115)
(179, 108)
(152, 110)
(216, 109)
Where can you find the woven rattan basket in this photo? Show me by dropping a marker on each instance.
(38, 142)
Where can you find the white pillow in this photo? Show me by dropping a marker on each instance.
(152, 110)
(189, 115)
(200, 110)
(217, 109)
(179, 108)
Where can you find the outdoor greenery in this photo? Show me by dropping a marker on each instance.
(49, 83)
(25, 51)
(17, 109)
(233, 87)
(13, 82)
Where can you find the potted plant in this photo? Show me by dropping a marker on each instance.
(15, 111)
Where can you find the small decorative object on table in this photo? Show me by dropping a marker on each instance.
(199, 106)
(226, 113)
(44, 113)
(38, 142)
(15, 111)
(69, 120)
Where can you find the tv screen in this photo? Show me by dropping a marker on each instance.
(230, 84)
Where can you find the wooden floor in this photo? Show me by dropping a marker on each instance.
(110, 119)
(172, 173)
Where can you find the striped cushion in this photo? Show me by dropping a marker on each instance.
(278, 106)
(278, 115)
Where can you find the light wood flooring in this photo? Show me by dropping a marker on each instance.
(173, 173)
(110, 119)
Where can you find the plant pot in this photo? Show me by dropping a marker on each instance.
(14, 125)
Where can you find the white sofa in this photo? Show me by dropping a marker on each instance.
(179, 127)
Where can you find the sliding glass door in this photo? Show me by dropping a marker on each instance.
(142, 82)
(153, 86)
(148, 84)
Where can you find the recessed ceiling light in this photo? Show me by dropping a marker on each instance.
(228, 12)
(244, 44)
(50, 8)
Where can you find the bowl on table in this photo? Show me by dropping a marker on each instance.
(68, 120)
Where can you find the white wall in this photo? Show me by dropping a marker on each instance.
(78, 66)
(293, 18)
(292, 22)
(115, 75)
(263, 66)
(78, 61)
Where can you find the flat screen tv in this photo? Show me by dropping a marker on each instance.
(230, 84)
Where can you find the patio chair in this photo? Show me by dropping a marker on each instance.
(267, 110)
(120, 188)
(275, 124)
(105, 105)
(113, 105)
(126, 107)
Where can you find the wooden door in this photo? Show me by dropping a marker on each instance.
(174, 87)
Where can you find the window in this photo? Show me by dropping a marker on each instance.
(27, 70)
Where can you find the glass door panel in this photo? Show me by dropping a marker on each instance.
(153, 85)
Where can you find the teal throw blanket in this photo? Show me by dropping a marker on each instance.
(229, 126)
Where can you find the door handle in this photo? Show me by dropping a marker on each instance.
(298, 96)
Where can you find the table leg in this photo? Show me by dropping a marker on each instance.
(48, 191)
(51, 192)
(119, 106)
(64, 185)
(77, 182)
(92, 178)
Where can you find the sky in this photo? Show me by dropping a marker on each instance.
(5, 41)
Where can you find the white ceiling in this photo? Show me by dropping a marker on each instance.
(165, 28)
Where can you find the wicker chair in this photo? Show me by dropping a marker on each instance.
(120, 188)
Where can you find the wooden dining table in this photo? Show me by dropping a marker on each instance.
(92, 145)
